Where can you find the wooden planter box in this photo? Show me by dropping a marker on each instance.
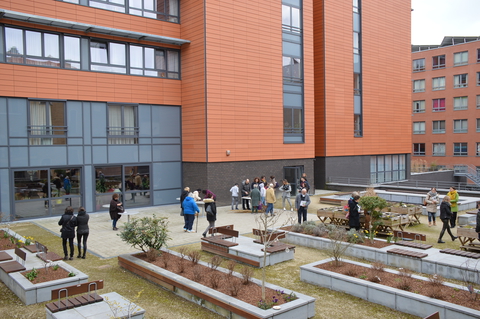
(394, 298)
(225, 305)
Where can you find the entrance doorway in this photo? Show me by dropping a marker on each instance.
(292, 174)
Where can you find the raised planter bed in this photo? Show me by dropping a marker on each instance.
(225, 305)
(394, 298)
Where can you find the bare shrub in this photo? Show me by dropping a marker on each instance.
(214, 280)
(194, 256)
(197, 273)
(181, 265)
(183, 251)
(165, 260)
(436, 283)
(320, 231)
(152, 254)
(297, 228)
(375, 278)
(378, 266)
(337, 246)
(404, 281)
(404, 272)
(247, 274)
(233, 285)
(350, 271)
(231, 266)
(215, 262)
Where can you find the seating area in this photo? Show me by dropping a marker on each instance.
(63, 301)
(409, 239)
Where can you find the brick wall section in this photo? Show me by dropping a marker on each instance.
(220, 177)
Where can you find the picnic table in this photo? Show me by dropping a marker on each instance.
(466, 236)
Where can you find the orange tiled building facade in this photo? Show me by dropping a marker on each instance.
(146, 97)
(446, 102)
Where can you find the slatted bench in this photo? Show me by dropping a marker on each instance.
(269, 235)
(407, 253)
(44, 254)
(278, 247)
(14, 266)
(78, 301)
(408, 238)
(462, 253)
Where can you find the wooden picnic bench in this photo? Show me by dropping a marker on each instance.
(88, 289)
(467, 236)
(15, 265)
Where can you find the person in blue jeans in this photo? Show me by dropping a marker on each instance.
(190, 210)
(301, 205)
(271, 199)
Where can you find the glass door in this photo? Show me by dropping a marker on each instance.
(292, 174)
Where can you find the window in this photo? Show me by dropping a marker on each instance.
(478, 101)
(438, 105)
(47, 123)
(438, 127)
(460, 149)
(32, 47)
(478, 78)
(438, 62)
(438, 83)
(478, 125)
(419, 106)
(292, 69)
(291, 19)
(356, 84)
(438, 149)
(154, 62)
(460, 58)
(357, 125)
(419, 149)
(460, 126)
(460, 103)
(460, 80)
(418, 86)
(108, 57)
(418, 65)
(418, 127)
(122, 124)
(385, 168)
(71, 52)
(478, 55)
(478, 149)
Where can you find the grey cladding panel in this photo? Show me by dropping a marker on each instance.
(99, 119)
(74, 119)
(165, 121)
(17, 117)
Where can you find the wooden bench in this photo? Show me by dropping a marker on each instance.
(460, 253)
(269, 235)
(278, 247)
(78, 301)
(407, 253)
(4, 256)
(14, 266)
(44, 254)
(407, 238)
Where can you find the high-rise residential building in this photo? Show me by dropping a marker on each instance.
(446, 102)
(143, 98)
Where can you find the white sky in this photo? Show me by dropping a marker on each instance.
(434, 19)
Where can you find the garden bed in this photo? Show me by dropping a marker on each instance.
(221, 302)
(47, 274)
(412, 302)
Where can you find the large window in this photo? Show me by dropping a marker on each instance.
(478, 78)
(478, 125)
(166, 10)
(419, 106)
(108, 57)
(478, 101)
(438, 149)
(478, 149)
(32, 47)
(418, 127)
(419, 149)
(460, 149)
(460, 80)
(478, 55)
(122, 124)
(460, 58)
(438, 127)
(438, 83)
(418, 65)
(418, 86)
(460, 103)
(292, 69)
(438, 105)
(47, 123)
(438, 62)
(460, 126)
(154, 62)
(387, 168)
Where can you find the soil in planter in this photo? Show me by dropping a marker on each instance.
(250, 293)
(48, 275)
(5, 243)
(425, 288)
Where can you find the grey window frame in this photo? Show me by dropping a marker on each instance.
(49, 129)
(460, 146)
(463, 80)
(462, 106)
(417, 149)
(135, 129)
(437, 127)
(438, 88)
(438, 153)
(418, 109)
(417, 66)
(478, 149)
(462, 123)
(419, 129)
(461, 54)
(478, 125)
(420, 89)
(436, 62)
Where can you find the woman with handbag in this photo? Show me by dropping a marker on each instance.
(115, 208)
(353, 214)
(68, 222)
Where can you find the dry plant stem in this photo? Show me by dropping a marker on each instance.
(194, 256)
(215, 262)
(338, 244)
(231, 266)
(247, 274)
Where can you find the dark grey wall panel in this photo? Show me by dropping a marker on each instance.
(123, 153)
(75, 141)
(99, 154)
(75, 155)
(145, 120)
(18, 157)
(19, 141)
(87, 154)
(3, 121)
(166, 175)
(74, 119)
(48, 156)
(5, 195)
(17, 117)
(163, 153)
(99, 119)
(165, 121)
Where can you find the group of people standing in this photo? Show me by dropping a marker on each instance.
(448, 211)
(190, 208)
(69, 222)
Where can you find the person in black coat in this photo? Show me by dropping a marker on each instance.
(445, 215)
(211, 211)
(82, 231)
(68, 222)
(477, 227)
(115, 208)
(354, 215)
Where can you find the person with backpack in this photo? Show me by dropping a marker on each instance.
(68, 221)
(211, 210)
(82, 231)
(432, 201)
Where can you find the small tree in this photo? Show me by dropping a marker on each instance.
(338, 244)
(374, 206)
(147, 233)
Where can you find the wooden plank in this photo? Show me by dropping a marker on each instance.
(11, 266)
(219, 241)
(76, 289)
(20, 253)
(435, 315)
(4, 256)
(408, 235)
(214, 230)
(214, 247)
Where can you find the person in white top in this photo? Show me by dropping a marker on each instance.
(234, 190)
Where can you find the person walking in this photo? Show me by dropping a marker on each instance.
(353, 214)
(211, 211)
(445, 216)
(271, 199)
(68, 221)
(190, 209)
(115, 208)
(82, 232)
(67, 185)
(432, 201)
(255, 198)
(301, 205)
(246, 189)
(234, 191)
(286, 190)
(453, 194)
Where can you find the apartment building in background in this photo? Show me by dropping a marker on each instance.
(143, 98)
(446, 102)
